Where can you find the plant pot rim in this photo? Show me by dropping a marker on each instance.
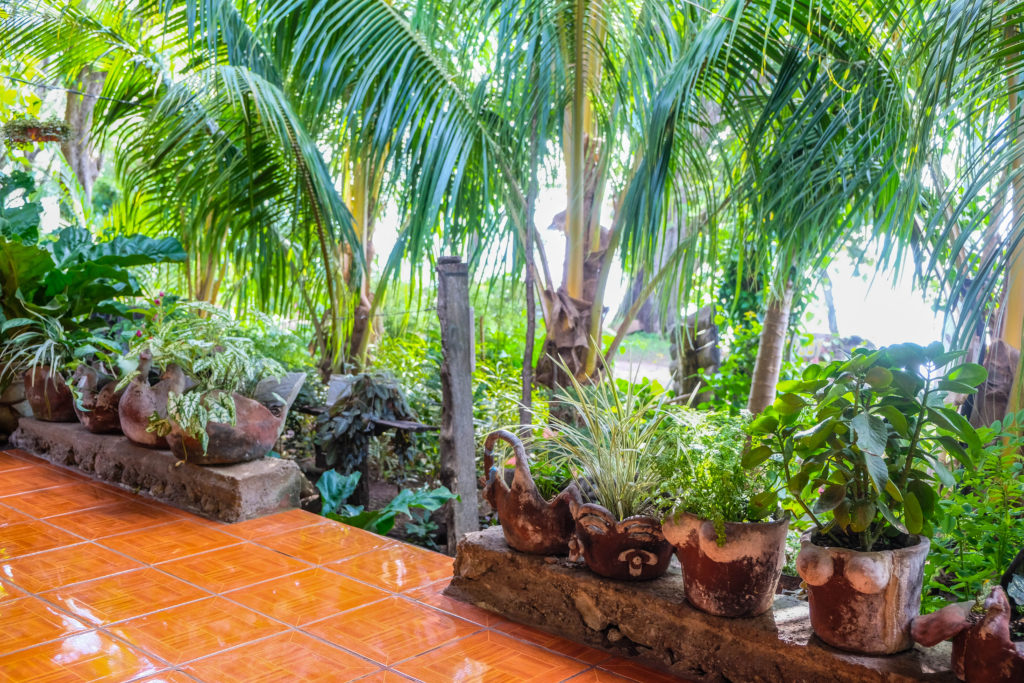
(580, 510)
(920, 544)
(783, 520)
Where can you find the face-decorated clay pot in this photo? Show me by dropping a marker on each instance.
(250, 438)
(736, 578)
(49, 396)
(530, 523)
(863, 602)
(97, 405)
(633, 549)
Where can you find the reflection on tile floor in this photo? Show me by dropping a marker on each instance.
(100, 585)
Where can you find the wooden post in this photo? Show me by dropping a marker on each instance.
(458, 444)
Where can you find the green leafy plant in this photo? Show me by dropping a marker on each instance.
(68, 266)
(611, 443)
(861, 442)
(703, 473)
(212, 349)
(369, 405)
(981, 525)
(336, 488)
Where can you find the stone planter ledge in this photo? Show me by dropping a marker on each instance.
(229, 493)
(652, 621)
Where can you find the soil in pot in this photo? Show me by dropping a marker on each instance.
(633, 549)
(250, 438)
(530, 523)
(736, 578)
(864, 601)
(97, 407)
(49, 396)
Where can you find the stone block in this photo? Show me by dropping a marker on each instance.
(652, 621)
(229, 493)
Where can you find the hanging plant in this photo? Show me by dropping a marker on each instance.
(22, 130)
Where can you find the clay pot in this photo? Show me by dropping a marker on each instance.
(982, 649)
(251, 438)
(97, 406)
(140, 401)
(737, 579)
(632, 550)
(863, 602)
(530, 523)
(49, 396)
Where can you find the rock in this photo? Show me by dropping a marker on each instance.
(652, 622)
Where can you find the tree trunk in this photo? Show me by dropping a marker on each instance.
(830, 304)
(77, 148)
(769, 352)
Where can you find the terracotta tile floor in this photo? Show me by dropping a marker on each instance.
(100, 585)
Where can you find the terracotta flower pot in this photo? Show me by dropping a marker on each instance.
(97, 407)
(863, 602)
(982, 649)
(530, 523)
(49, 396)
(251, 438)
(140, 401)
(632, 550)
(736, 579)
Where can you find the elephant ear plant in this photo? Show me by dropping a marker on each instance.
(862, 446)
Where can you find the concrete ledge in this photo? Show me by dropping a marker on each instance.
(229, 493)
(653, 622)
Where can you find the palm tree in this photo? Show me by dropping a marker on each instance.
(211, 146)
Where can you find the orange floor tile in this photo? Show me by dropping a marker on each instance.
(99, 585)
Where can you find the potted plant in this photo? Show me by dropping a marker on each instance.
(530, 523)
(42, 349)
(988, 635)
(612, 440)
(723, 519)
(97, 398)
(212, 374)
(27, 129)
(861, 444)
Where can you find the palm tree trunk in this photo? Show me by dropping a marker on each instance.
(769, 352)
(830, 304)
(1011, 325)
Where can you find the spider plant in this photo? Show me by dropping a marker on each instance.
(44, 341)
(611, 442)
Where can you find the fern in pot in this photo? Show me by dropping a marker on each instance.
(218, 409)
(722, 517)
(862, 445)
(612, 441)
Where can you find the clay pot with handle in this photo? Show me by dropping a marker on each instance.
(863, 601)
(251, 437)
(140, 401)
(733, 576)
(530, 523)
(98, 400)
(49, 396)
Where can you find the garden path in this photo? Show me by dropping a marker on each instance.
(98, 584)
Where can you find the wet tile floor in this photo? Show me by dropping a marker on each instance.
(97, 584)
